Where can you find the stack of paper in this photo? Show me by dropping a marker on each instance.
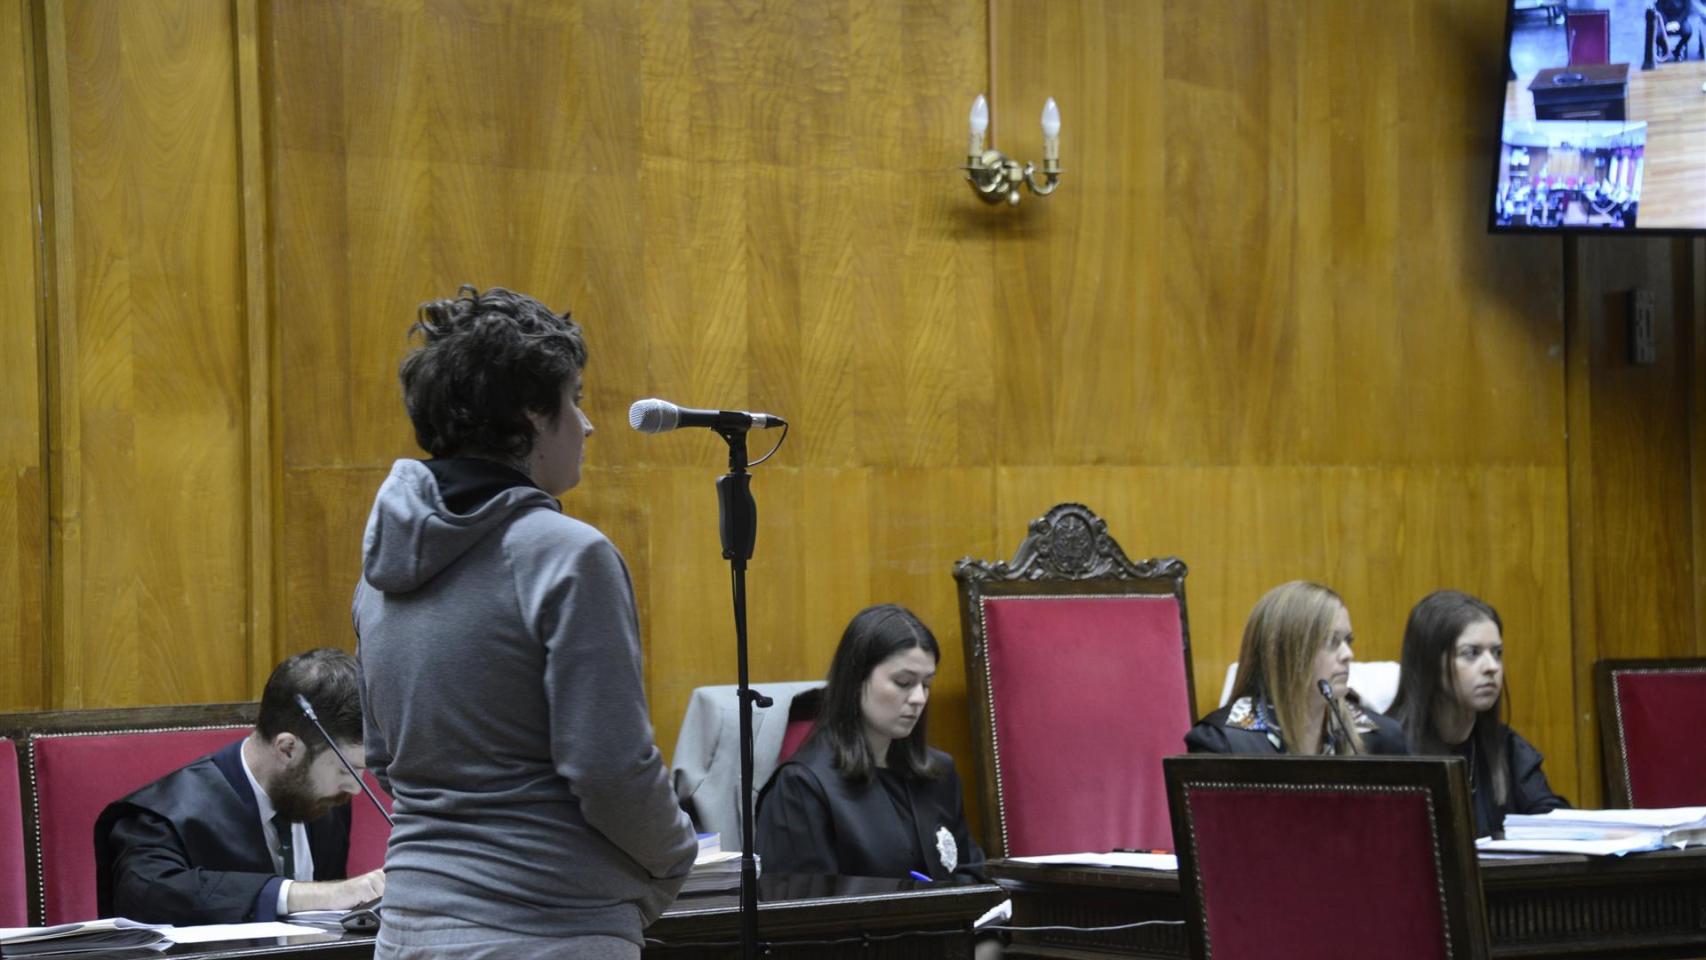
(70, 939)
(1600, 832)
(714, 870)
(1130, 861)
(710, 843)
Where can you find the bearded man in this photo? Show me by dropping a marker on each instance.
(254, 831)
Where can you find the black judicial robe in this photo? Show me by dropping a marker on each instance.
(189, 849)
(813, 819)
(1247, 726)
(1529, 791)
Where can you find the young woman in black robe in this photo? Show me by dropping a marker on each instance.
(864, 796)
(1450, 699)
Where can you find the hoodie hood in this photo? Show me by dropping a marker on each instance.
(413, 533)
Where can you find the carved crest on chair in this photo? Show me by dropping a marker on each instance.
(1068, 543)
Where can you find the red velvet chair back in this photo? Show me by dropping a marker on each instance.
(1588, 33)
(74, 776)
(1649, 715)
(1080, 682)
(1286, 857)
(14, 898)
(368, 831)
(802, 719)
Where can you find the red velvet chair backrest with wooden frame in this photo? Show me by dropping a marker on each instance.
(1649, 722)
(1079, 681)
(1587, 35)
(1288, 858)
(14, 901)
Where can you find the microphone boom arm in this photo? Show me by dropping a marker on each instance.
(308, 711)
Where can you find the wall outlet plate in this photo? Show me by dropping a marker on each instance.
(1643, 340)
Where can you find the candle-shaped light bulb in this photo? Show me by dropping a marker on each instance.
(979, 123)
(979, 116)
(1051, 120)
(1051, 136)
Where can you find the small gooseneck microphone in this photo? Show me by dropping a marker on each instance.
(660, 416)
(1326, 689)
(308, 711)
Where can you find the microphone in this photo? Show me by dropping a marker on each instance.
(308, 710)
(660, 416)
(1326, 689)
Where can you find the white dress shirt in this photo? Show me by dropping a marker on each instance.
(303, 868)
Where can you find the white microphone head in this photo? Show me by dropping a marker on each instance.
(653, 415)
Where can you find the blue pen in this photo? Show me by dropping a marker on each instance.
(919, 876)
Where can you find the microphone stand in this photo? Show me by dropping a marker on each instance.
(308, 711)
(1333, 718)
(738, 524)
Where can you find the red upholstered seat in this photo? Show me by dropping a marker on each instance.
(14, 902)
(75, 777)
(1649, 718)
(368, 831)
(1299, 858)
(1087, 695)
(1080, 681)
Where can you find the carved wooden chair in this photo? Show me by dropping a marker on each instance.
(1649, 721)
(1079, 677)
(1295, 857)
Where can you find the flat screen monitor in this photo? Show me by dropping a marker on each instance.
(1603, 122)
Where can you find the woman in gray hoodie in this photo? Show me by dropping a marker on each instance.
(500, 656)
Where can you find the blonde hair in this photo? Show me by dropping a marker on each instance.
(1286, 630)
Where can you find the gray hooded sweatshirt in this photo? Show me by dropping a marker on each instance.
(504, 709)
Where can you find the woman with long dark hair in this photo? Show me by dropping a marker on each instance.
(1298, 637)
(1450, 702)
(865, 796)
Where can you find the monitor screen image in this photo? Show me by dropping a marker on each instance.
(1603, 127)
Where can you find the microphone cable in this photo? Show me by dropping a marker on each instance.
(773, 449)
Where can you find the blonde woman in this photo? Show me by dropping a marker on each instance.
(1297, 640)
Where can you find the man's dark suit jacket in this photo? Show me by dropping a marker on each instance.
(189, 849)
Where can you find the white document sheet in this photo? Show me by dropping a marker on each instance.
(1132, 861)
(213, 932)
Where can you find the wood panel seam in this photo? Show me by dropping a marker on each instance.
(63, 434)
(263, 462)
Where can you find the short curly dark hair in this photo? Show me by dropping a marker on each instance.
(486, 360)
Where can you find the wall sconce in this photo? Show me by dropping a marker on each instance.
(993, 176)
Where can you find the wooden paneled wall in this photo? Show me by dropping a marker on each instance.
(1267, 332)
(146, 392)
(1260, 326)
(1636, 482)
(23, 509)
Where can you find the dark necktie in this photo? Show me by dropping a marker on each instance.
(285, 853)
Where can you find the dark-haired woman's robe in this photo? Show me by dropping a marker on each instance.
(1529, 791)
(813, 819)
